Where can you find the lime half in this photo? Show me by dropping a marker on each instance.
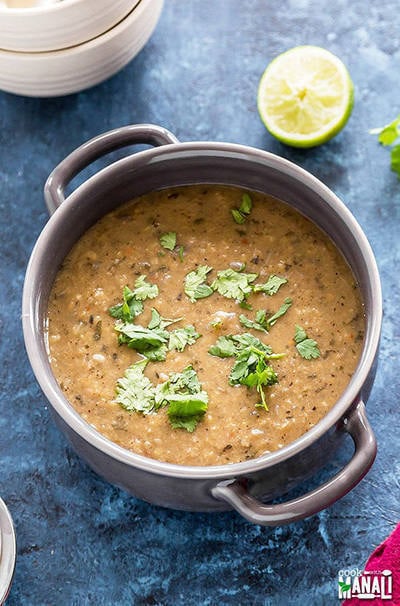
(305, 96)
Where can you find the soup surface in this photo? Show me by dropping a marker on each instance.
(256, 268)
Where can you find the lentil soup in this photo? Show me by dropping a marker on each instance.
(172, 281)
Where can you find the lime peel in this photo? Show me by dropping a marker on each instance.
(305, 96)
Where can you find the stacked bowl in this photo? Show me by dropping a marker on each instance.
(7, 551)
(57, 47)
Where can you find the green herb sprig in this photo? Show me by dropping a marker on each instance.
(234, 284)
(262, 322)
(230, 283)
(240, 214)
(181, 393)
(169, 242)
(389, 136)
(307, 348)
(195, 283)
(132, 300)
(154, 341)
(251, 367)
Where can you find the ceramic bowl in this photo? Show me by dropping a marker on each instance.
(7, 551)
(244, 486)
(57, 25)
(60, 72)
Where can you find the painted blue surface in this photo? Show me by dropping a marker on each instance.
(82, 541)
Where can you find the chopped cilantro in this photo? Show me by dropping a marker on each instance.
(237, 216)
(261, 321)
(135, 392)
(240, 214)
(271, 286)
(150, 342)
(225, 347)
(251, 367)
(233, 284)
(195, 283)
(132, 300)
(157, 321)
(300, 334)
(182, 393)
(154, 341)
(144, 290)
(281, 312)
(307, 348)
(246, 204)
(129, 308)
(168, 240)
(389, 136)
(180, 337)
(186, 401)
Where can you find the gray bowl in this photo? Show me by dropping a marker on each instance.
(244, 486)
(7, 551)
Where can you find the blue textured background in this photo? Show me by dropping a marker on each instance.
(82, 541)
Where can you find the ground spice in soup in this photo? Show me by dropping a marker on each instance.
(211, 301)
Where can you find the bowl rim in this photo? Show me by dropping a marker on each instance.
(8, 551)
(55, 7)
(104, 37)
(69, 415)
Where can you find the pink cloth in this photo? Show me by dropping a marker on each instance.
(385, 557)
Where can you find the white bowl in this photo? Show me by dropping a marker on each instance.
(7, 551)
(55, 73)
(59, 25)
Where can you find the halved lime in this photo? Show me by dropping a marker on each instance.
(305, 96)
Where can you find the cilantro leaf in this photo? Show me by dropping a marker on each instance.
(187, 402)
(262, 376)
(132, 300)
(157, 321)
(246, 204)
(395, 159)
(134, 391)
(189, 423)
(300, 334)
(389, 135)
(271, 286)
(168, 240)
(181, 393)
(180, 337)
(261, 321)
(281, 312)
(251, 367)
(233, 284)
(152, 343)
(195, 283)
(240, 214)
(129, 308)
(144, 290)
(307, 348)
(237, 216)
(246, 339)
(224, 347)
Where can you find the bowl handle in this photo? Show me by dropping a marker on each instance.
(94, 149)
(356, 424)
